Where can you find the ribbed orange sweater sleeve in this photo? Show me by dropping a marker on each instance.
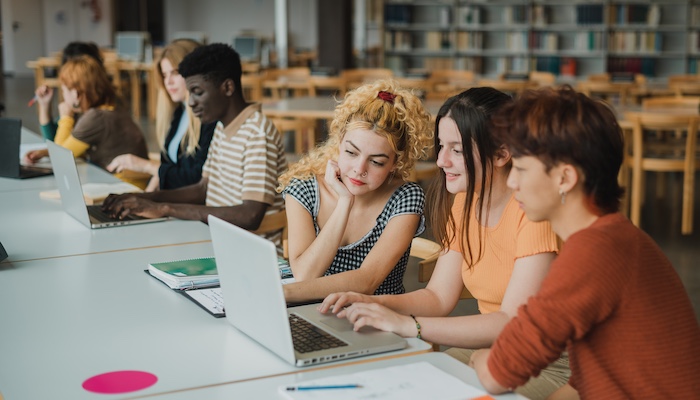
(614, 298)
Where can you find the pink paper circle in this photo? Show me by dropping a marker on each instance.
(119, 382)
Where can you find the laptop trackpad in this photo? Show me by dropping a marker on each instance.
(343, 325)
(338, 324)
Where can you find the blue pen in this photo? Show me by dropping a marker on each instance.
(326, 387)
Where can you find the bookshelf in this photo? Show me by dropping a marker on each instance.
(657, 38)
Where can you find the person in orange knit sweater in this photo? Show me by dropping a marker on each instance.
(489, 246)
(103, 131)
(611, 297)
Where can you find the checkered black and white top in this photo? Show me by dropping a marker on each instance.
(407, 199)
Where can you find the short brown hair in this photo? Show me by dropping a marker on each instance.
(89, 79)
(562, 125)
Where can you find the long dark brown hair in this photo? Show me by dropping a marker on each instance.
(471, 110)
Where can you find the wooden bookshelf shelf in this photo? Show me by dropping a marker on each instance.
(657, 38)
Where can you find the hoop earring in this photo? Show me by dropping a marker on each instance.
(391, 177)
(364, 174)
(563, 196)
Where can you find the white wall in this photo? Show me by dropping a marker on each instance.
(70, 20)
(45, 26)
(22, 34)
(221, 20)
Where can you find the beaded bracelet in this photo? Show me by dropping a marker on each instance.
(417, 325)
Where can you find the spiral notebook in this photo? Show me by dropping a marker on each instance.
(186, 274)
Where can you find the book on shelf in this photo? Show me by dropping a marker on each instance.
(95, 193)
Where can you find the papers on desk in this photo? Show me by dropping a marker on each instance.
(209, 299)
(95, 193)
(418, 381)
(201, 293)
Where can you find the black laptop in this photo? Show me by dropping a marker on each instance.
(10, 166)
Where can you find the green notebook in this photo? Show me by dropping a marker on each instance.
(186, 274)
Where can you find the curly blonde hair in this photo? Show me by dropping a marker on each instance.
(404, 122)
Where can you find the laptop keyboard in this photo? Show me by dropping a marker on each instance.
(307, 337)
(97, 213)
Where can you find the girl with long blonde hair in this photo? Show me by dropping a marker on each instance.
(183, 139)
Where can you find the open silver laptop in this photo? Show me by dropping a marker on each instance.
(68, 182)
(10, 139)
(255, 305)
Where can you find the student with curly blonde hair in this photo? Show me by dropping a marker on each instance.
(488, 245)
(350, 211)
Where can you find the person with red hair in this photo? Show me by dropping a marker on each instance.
(611, 297)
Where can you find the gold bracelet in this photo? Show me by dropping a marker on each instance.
(417, 325)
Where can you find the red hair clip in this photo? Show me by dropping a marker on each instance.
(386, 96)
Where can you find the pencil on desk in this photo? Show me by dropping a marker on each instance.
(324, 387)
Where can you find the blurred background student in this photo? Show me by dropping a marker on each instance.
(183, 139)
(44, 94)
(104, 131)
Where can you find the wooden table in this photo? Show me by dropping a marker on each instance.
(279, 87)
(135, 70)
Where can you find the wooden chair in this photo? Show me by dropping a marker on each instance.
(686, 88)
(335, 84)
(607, 77)
(683, 78)
(508, 86)
(673, 156)
(304, 132)
(251, 84)
(542, 78)
(273, 223)
(112, 64)
(601, 77)
(358, 76)
(690, 102)
(428, 251)
(278, 82)
(608, 91)
(444, 83)
(423, 170)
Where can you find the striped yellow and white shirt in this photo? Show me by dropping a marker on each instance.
(244, 160)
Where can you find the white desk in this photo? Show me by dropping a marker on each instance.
(88, 173)
(67, 319)
(267, 388)
(34, 228)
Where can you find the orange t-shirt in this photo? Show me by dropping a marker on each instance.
(512, 237)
